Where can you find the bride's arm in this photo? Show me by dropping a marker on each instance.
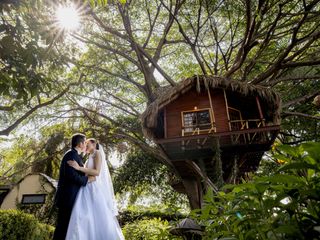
(95, 171)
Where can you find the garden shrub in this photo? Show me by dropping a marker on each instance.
(15, 224)
(134, 213)
(148, 229)
(285, 204)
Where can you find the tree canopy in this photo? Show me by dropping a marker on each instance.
(99, 78)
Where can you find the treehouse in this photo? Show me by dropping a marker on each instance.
(213, 130)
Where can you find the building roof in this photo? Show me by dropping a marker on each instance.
(168, 94)
(53, 182)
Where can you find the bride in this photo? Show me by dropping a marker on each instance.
(94, 213)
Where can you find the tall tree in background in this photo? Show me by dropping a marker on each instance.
(131, 50)
(135, 48)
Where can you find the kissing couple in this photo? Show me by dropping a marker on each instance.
(85, 198)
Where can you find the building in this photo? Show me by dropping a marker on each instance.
(34, 188)
(212, 130)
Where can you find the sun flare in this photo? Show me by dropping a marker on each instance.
(68, 17)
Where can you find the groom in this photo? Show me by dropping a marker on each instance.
(70, 181)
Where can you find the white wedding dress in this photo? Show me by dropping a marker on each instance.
(94, 213)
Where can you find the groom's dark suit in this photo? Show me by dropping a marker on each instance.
(70, 181)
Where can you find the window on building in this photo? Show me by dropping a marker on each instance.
(197, 120)
(33, 198)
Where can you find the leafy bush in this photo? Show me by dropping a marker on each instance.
(134, 213)
(45, 213)
(151, 229)
(283, 205)
(142, 175)
(15, 224)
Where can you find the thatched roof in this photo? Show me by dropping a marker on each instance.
(167, 94)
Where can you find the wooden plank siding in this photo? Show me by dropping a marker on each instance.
(188, 102)
(220, 112)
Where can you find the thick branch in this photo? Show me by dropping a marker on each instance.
(247, 43)
(109, 103)
(9, 129)
(301, 99)
(138, 142)
(185, 36)
(299, 114)
(293, 43)
(300, 64)
(113, 50)
(293, 79)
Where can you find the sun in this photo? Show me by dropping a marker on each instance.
(68, 17)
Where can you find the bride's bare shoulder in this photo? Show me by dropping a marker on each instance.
(97, 154)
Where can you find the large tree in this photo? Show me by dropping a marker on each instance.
(131, 50)
(137, 47)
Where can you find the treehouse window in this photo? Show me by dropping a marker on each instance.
(196, 120)
(33, 198)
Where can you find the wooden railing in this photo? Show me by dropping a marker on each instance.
(244, 125)
(199, 128)
(238, 132)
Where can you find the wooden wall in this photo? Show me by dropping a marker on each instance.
(220, 111)
(193, 99)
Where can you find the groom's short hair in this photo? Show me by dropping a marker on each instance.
(77, 139)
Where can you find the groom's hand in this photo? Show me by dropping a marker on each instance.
(91, 179)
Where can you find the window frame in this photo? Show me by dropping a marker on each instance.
(197, 110)
(30, 195)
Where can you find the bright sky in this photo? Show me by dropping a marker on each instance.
(68, 17)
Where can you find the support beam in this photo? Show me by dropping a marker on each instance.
(194, 192)
(260, 110)
(227, 108)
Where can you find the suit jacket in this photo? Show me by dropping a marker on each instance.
(70, 180)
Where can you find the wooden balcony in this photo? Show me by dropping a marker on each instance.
(252, 136)
(198, 129)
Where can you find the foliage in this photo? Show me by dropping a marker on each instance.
(15, 224)
(143, 175)
(154, 229)
(22, 57)
(33, 62)
(94, 3)
(45, 214)
(34, 154)
(283, 205)
(42, 152)
(148, 44)
(146, 169)
(135, 213)
(121, 56)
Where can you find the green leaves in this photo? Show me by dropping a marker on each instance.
(7, 45)
(18, 225)
(313, 150)
(298, 166)
(102, 3)
(282, 205)
(153, 229)
(281, 179)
